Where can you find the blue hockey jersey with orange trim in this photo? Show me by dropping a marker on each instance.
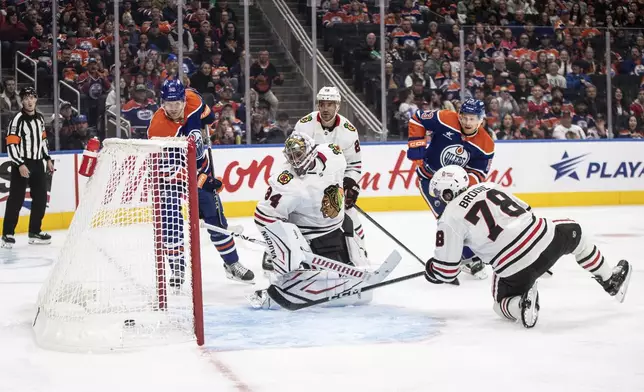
(448, 146)
(197, 115)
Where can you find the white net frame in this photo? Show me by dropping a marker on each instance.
(129, 273)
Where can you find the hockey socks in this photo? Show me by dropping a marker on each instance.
(225, 245)
(592, 260)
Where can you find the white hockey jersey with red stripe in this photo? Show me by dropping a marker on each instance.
(313, 202)
(342, 133)
(497, 226)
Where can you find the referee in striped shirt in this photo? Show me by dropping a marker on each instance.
(31, 164)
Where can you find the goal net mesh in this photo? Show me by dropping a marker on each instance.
(124, 276)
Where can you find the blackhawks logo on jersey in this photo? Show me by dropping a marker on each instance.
(332, 201)
(306, 119)
(335, 149)
(350, 127)
(285, 177)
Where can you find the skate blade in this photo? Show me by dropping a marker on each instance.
(236, 279)
(6, 245)
(35, 241)
(621, 294)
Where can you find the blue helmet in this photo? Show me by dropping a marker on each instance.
(173, 90)
(473, 106)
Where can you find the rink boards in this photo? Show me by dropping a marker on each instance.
(544, 173)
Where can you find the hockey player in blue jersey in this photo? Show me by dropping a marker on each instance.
(439, 138)
(183, 114)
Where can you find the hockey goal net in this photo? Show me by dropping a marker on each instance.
(129, 273)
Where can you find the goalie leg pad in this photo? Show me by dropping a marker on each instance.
(286, 246)
(213, 214)
(307, 286)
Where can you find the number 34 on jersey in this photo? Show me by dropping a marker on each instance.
(313, 202)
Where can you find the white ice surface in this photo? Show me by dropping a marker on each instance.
(413, 337)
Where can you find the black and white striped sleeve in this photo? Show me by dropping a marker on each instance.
(14, 140)
(447, 255)
(45, 142)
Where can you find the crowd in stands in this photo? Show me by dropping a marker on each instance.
(539, 66)
(213, 64)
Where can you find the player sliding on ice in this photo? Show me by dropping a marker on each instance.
(519, 245)
(183, 114)
(314, 249)
(456, 139)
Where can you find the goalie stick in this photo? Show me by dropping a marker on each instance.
(274, 293)
(394, 239)
(278, 296)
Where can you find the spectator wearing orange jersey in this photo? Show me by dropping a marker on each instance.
(357, 13)
(537, 104)
(334, 15)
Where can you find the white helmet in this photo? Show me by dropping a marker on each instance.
(299, 151)
(329, 94)
(449, 182)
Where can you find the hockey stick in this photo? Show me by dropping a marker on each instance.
(277, 296)
(233, 234)
(394, 239)
(388, 234)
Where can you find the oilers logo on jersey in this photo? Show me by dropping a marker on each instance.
(455, 155)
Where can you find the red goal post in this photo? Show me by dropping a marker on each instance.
(135, 228)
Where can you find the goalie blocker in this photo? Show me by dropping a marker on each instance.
(308, 278)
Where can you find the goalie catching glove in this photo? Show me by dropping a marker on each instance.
(351, 192)
(209, 183)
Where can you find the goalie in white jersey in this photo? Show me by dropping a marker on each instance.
(520, 246)
(327, 126)
(307, 194)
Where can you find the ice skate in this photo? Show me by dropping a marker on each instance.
(238, 272)
(39, 238)
(474, 267)
(530, 307)
(260, 300)
(8, 241)
(617, 284)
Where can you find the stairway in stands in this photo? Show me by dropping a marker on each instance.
(295, 99)
(305, 21)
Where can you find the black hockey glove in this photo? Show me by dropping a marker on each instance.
(351, 192)
(429, 274)
(209, 183)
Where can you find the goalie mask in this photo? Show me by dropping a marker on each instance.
(449, 182)
(329, 101)
(299, 151)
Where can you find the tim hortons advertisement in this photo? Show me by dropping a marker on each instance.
(542, 167)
